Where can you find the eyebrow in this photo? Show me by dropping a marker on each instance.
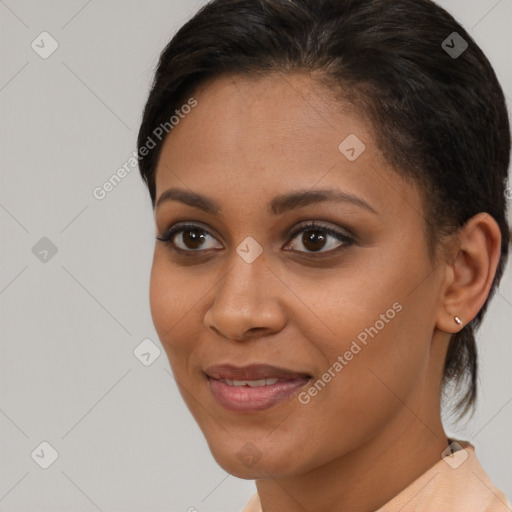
(277, 206)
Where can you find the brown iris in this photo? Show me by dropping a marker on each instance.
(313, 240)
(193, 238)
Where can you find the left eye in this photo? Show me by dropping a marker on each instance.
(315, 238)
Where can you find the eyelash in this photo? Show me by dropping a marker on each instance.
(168, 236)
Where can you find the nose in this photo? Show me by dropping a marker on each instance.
(247, 302)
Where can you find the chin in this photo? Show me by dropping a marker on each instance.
(246, 471)
(246, 461)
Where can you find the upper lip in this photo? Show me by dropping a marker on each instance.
(252, 372)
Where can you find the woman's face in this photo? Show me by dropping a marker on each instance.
(342, 314)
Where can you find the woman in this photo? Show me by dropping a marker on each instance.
(328, 182)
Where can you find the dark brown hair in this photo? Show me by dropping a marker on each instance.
(439, 118)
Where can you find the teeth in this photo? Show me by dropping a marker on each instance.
(251, 383)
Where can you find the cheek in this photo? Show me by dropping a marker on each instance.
(381, 331)
(172, 302)
(162, 297)
(352, 304)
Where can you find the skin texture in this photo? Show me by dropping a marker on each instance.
(376, 426)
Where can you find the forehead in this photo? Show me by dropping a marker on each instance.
(251, 136)
(291, 109)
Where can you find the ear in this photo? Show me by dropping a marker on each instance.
(469, 272)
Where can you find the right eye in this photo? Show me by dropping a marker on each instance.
(189, 238)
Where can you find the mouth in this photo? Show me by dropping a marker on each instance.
(253, 388)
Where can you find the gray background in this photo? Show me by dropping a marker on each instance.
(69, 325)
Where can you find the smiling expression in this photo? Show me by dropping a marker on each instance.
(277, 249)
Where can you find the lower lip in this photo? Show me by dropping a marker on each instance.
(247, 399)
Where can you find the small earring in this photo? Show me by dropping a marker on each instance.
(458, 321)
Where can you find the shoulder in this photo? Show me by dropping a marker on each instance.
(253, 505)
(457, 483)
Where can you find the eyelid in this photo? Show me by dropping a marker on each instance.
(320, 225)
(180, 227)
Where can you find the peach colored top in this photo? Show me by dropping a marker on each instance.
(457, 483)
